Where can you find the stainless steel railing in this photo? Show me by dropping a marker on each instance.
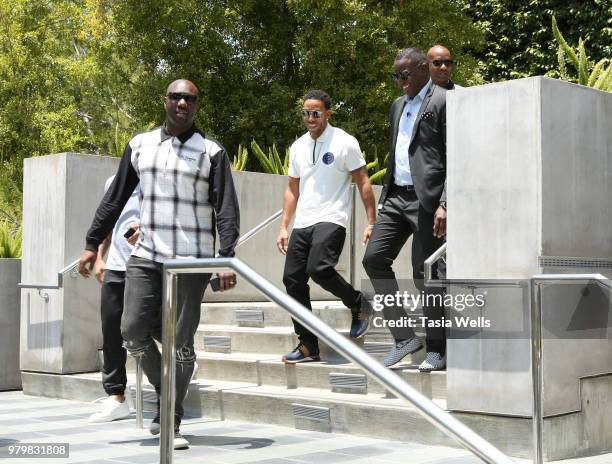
(438, 417)
(72, 268)
(534, 285)
(60, 280)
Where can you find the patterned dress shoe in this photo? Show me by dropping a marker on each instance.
(402, 349)
(433, 362)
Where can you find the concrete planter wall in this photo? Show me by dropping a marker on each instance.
(10, 272)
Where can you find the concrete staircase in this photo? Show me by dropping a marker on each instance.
(241, 377)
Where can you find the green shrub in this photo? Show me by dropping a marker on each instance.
(10, 241)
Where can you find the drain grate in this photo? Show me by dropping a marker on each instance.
(348, 383)
(216, 343)
(315, 413)
(249, 317)
(564, 261)
(377, 348)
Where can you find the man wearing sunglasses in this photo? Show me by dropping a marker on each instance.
(322, 163)
(441, 66)
(412, 203)
(187, 192)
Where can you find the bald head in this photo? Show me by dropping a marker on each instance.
(440, 64)
(182, 83)
(181, 105)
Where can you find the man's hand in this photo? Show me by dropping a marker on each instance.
(86, 263)
(99, 268)
(227, 281)
(366, 234)
(282, 242)
(439, 227)
(134, 238)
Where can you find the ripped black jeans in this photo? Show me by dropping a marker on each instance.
(142, 320)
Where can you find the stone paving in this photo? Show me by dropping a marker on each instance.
(28, 419)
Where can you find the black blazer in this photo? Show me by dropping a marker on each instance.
(427, 150)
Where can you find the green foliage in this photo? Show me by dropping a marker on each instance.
(599, 75)
(271, 162)
(10, 241)
(518, 39)
(84, 75)
(261, 56)
(241, 158)
(376, 169)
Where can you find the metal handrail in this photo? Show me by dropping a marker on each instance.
(60, 278)
(438, 417)
(534, 284)
(255, 230)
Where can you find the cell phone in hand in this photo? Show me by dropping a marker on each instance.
(131, 231)
(215, 285)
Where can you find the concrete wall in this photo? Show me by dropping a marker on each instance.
(529, 176)
(60, 335)
(10, 376)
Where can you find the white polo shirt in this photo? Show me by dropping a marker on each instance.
(324, 168)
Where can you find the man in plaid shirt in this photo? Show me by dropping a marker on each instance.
(187, 192)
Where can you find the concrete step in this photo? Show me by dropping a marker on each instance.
(260, 314)
(228, 338)
(281, 340)
(372, 415)
(267, 314)
(268, 369)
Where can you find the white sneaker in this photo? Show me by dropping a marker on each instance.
(111, 410)
(180, 442)
(433, 362)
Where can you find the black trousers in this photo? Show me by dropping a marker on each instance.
(313, 252)
(400, 217)
(114, 379)
(142, 322)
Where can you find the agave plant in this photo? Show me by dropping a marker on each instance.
(375, 170)
(271, 162)
(595, 75)
(10, 242)
(241, 158)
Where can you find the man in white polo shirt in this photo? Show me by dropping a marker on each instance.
(321, 165)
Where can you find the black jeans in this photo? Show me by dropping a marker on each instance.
(400, 217)
(114, 379)
(313, 252)
(141, 323)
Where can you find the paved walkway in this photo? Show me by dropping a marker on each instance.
(28, 419)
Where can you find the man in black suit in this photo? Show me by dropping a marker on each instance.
(412, 202)
(441, 66)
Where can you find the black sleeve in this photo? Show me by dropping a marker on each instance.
(223, 198)
(113, 202)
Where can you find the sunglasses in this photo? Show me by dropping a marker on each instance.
(314, 113)
(438, 63)
(178, 96)
(402, 75)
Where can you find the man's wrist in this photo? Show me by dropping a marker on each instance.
(443, 205)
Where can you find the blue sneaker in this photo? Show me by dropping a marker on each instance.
(301, 353)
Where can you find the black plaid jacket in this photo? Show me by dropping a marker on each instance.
(187, 192)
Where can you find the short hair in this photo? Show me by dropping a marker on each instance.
(413, 54)
(315, 94)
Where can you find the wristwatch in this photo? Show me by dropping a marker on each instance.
(443, 205)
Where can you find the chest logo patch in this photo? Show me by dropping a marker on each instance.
(328, 158)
